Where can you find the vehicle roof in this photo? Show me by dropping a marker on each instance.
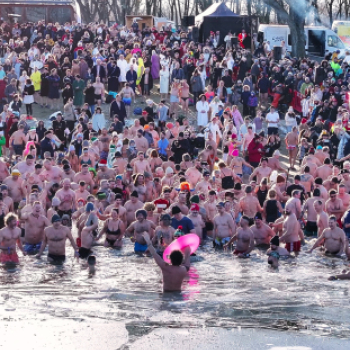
(264, 26)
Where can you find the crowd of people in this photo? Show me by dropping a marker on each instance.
(146, 173)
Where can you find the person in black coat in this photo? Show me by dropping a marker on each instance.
(89, 93)
(59, 126)
(113, 72)
(67, 93)
(118, 108)
(116, 126)
(46, 144)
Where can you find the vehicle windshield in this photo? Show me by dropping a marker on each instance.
(334, 41)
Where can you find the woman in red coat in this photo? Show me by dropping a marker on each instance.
(255, 151)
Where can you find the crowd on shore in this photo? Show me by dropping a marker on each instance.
(147, 174)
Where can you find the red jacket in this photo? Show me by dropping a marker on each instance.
(254, 154)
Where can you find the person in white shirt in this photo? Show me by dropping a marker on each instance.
(272, 119)
(347, 57)
(213, 126)
(124, 67)
(98, 120)
(202, 108)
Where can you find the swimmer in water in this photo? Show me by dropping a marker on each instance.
(276, 252)
(174, 274)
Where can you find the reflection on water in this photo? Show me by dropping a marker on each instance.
(220, 291)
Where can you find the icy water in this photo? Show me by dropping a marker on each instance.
(221, 291)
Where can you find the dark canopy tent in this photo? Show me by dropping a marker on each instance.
(219, 17)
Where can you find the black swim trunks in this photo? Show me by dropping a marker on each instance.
(110, 242)
(84, 252)
(63, 212)
(209, 226)
(311, 229)
(23, 232)
(58, 259)
(15, 205)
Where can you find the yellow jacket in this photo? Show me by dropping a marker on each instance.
(36, 79)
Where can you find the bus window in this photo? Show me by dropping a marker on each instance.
(334, 41)
(35, 14)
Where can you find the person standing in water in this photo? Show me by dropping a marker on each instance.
(9, 240)
(55, 237)
(174, 274)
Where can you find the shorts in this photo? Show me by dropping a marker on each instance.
(229, 91)
(18, 149)
(263, 246)
(23, 232)
(15, 205)
(9, 258)
(209, 226)
(103, 154)
(127, 101)
(310, 229)
(84, 252)
(293, 246)
(32, 248)
(140, 247)
(58, 259)
(272, 130)
(221, 241)
(173, 99)
(98, 97)
(238, 252)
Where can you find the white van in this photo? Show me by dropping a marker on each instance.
(319, 40)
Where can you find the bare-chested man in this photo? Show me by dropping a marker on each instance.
(307, 180)
(210, 208)
(9, 240)
(293, 204)
(249, 205)
(274, 162)
(85, 176)
(174, 274)
(51, 173)
(4, 171)
(322, 217)
(6, 199)
(131, 206)
(262, 171)
(35, 223)
(245, 239)
(193, 174)
(333, 237)
(204, 185)
(344, 196)
(137, 228)
(141, 142)
(55, 237)
(81, 193)
(15, 188)
(224, 226)
(26, 166)
(325, 170)
(197, 220)
(291, 234)
(163, 234)
(67, 197)
(141, 164)
(262, 232)
(18, 140)
(292, 146)
(334, 206)
(311, 213)
(181, 203)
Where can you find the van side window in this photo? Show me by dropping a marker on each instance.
(260, 37)
(289, 40)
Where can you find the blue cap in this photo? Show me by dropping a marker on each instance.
(89, 207)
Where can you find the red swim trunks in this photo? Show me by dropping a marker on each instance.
(9, 258)
(237, 252)
(293, 246)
